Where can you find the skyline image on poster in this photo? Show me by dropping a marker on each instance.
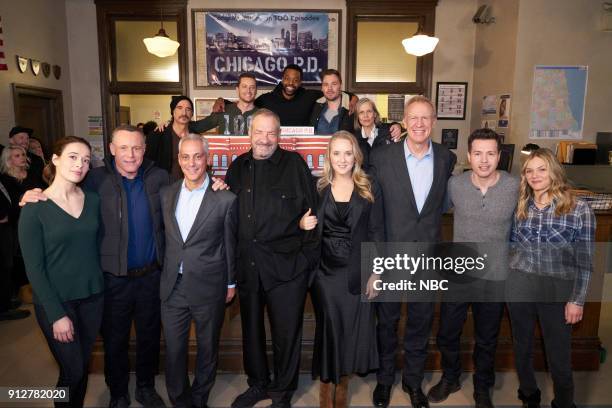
(264, 43)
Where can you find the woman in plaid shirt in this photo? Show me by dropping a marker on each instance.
(553, 232)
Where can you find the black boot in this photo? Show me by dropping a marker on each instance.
(530, 401)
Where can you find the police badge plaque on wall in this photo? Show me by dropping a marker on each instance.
(57, 71)
(35, 66)
(46, 69)
(22, 64)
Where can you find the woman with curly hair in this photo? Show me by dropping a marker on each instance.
(350, 212)
(550, 223)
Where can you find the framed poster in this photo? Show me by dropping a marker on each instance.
(450, 137)
(451, 100)
(227, 43)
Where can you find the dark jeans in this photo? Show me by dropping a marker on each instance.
(487, 320)
(416, 341)
(557, 336)
(73, 358)
(131, 300)
(177, 315)
(285, 306)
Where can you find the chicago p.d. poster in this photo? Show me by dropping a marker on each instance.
(263, 43)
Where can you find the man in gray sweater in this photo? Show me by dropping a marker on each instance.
(484, 200)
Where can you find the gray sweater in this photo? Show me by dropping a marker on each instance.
(486, 219)
(482, 218)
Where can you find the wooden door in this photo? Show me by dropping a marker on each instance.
(124, 115)
(40, 109)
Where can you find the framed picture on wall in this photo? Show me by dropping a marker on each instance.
(451, 98)
(203, 107)
(450, 138)
(227, 43)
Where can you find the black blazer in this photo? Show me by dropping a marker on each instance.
(367, 225)
(209, 252)
(403, 223)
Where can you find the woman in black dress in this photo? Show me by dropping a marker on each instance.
(350, 212)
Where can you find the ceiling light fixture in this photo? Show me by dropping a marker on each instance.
(420, 43)
(161, 45)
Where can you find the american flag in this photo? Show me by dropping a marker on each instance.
(3, 66)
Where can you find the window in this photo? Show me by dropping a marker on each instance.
(126, 67)
(135, 64)
(376, 60)
(321, 160)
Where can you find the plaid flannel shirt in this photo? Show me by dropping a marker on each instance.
(556, 246)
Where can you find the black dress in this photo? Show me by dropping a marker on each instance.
(345, 336)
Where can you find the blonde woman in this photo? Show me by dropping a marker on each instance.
(350, 212)
(17, 177)
(548, 216)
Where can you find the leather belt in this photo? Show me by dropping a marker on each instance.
(143, 271)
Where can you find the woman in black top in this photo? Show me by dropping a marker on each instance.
(370, 132)
(58, 238)
(350, 212)
(17, 178)
(14, 164)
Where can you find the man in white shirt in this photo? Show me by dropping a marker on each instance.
(199, 269)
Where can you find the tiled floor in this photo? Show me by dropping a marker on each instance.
(26, 361)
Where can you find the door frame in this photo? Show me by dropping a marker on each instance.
(57, 104)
